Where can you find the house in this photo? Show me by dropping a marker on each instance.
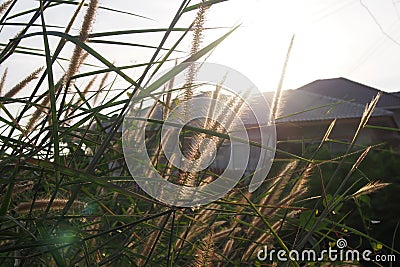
(307, 112)
(342, 88)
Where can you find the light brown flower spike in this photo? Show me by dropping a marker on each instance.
(76, 59)
(21, 85)
(41, 204)
(3, 80)
(4, 6)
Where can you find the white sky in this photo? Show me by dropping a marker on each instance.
(334, 38)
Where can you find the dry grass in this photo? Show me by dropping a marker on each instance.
(114, 223)
(5, 5)
(41, 205)
(22, 84)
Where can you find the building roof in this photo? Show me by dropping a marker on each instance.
(304, 105)
(397, 94)
(346, 89)
(301, 105)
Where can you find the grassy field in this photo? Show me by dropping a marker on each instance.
(68, 198)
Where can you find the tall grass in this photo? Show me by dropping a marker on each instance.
(67, 197)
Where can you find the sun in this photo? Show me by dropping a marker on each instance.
(259, 46)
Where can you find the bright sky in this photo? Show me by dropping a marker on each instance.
(359, 40)
(334, 38)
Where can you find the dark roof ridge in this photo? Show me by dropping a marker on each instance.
(348, 80)
(334, 99)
